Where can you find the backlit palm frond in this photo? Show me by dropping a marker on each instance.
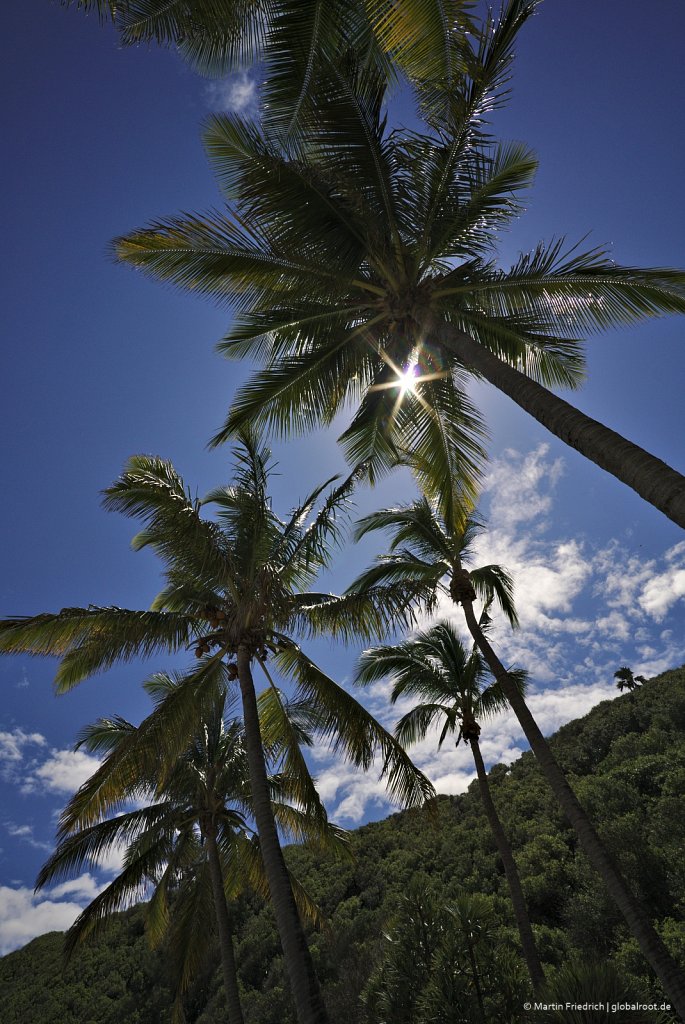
(458, 113)
(444, 436)
(416, 723)
(267, 334)
(493, 582)
(90, 640)
(301, 392)
(304, 550)
(427, 39)
(416, 524)
(352, 731)
(214, 36)
(364, 613)
(245, 865)
(150, 489)
(306, 37)
(283, 198)
(127, 888)
(282, 743)
(570, 292)
(481, 202)
(213, 256)
(401, 572)
(85, 848)
(409, 667)
(191, 931)
(148, 754)
(104, 736)
(301, 828)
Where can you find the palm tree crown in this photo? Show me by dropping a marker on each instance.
(361, 265)
(428, 552)
(454, 685)
(239, 579)
(198, 809)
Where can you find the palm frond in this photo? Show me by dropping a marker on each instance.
(353, 731)
(144, 757)
(91, 640)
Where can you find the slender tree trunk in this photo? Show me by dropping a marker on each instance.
(303, 981)
(654, 480)
(228, 964)
(666, 969)
(476, 979)
(530, 952)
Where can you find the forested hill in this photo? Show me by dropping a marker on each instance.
(627, 761)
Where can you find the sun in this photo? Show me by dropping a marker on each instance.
(407, 381)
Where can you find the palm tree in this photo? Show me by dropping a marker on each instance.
(452, 684)
(625, 680)
(236, 593)
(427, 551)
(361, 262)
(190, 842)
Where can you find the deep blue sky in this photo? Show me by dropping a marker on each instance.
(99, 363)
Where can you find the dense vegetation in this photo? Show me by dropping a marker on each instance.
(626, 759)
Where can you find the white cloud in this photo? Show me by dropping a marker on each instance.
(661, 592)
(24, 914)
(236, 94)
(64, 771)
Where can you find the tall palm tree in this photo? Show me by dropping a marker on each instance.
(454, 690)
(190, 843)
(361, 262)
(237, 594)
(428, 551)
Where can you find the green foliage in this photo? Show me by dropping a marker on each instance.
(450, 854)
(115, 979)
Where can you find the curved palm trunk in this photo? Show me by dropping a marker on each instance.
(666, 969)
(530, 952)
(228, 964)
(303, 981)
(654, 480)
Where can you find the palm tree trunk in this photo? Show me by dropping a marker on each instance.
(303, 981)
(654, 480)
(228, 964)
(530, 952)
(666, 969)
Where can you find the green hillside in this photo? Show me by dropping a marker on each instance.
(627, 761)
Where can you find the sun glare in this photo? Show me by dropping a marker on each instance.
(407, 380)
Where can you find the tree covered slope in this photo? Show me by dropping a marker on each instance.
(626, 759)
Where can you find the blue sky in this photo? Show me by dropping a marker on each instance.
(99, 363)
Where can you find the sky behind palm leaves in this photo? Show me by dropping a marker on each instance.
(99, 363)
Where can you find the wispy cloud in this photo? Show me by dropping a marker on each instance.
(25, 834)
(236, 94)
(15, 747)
